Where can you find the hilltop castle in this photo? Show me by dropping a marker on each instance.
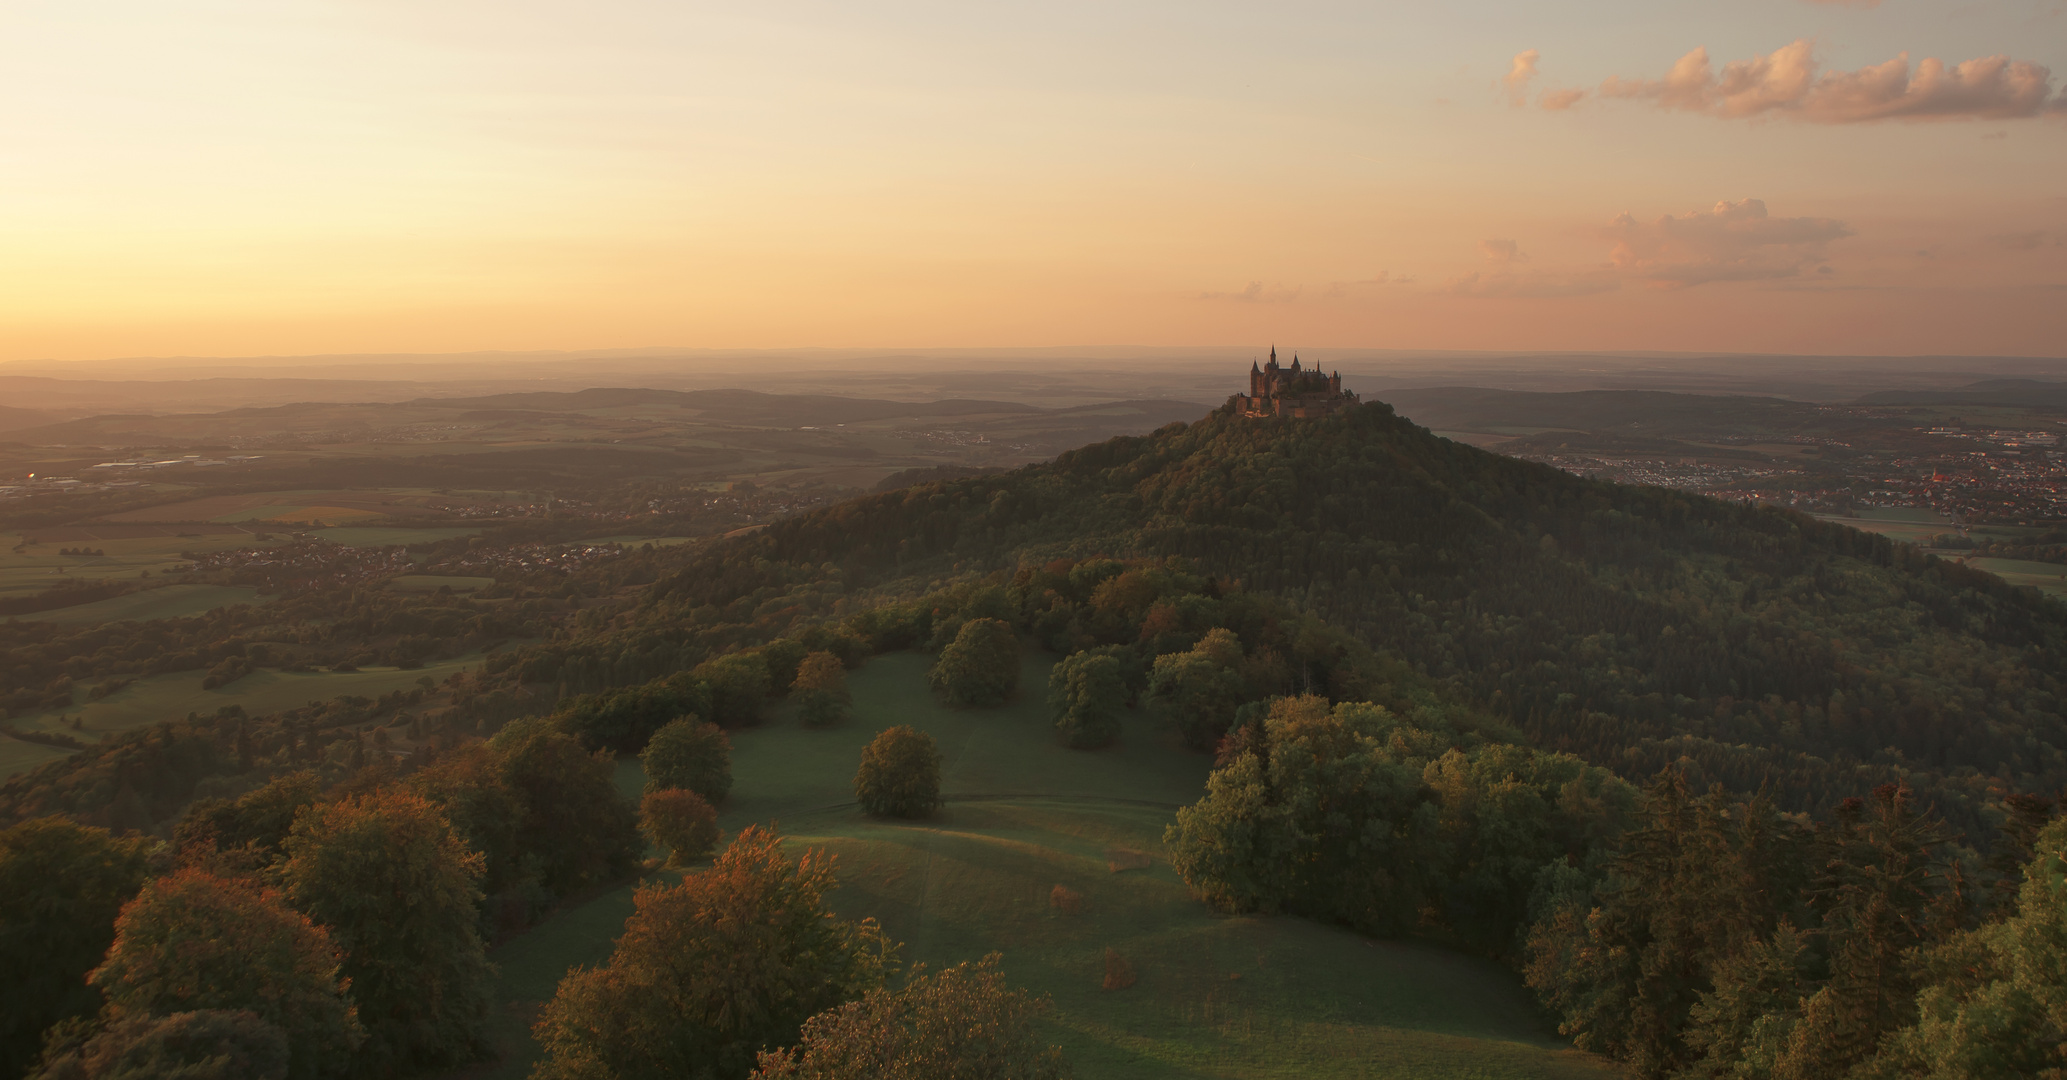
(1278, 391)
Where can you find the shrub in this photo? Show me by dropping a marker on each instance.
(980, 666)
(679, 820)
(690, 754)
(1119, 974)
(1085, 695)
(821, 690)
(899, 775)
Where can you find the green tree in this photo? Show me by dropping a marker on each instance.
(1085, 696)
(194, 942)
(622, 720)
(899, 774)
(730, 961)
(691, 755)
(821, 690)
(397, 889)
(680, 821)
(206, 1045)
(1199, 691)
(740, 685)
(61, 887)
(964, 1023)
(980, 666)
(1996, 1004)
(469, 785)
(573, 827)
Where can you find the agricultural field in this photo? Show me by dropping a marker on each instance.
(1909, 525)
(1054, 856)
(33, 562)
(169, 697)
(2049, 578)
(434, 582)
(169, 602)
(390, 536)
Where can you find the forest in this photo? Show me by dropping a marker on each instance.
(1738, 792)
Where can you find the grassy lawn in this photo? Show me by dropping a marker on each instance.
(170, 697)
(170, 602)
(37, 567)
(1216, 997)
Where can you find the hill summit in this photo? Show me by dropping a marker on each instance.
(1637, 627)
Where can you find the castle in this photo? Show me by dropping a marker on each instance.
(1277, 391)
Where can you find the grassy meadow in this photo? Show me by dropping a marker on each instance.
(170, 602)
(32, 564)
(1239, 997)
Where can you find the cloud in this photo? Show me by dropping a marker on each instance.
(1559, 100)
(2030, 240)
(1255, 293)
(1502, 251)
(1518, 75)
(1533, 284)
(1785, 82)
(1339, 289)
(1734, 241)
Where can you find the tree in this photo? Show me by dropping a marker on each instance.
(61, 887)
(246, 834)
(731, 960)
(899, 774)
(205, 1045)
(397, 889)
(739, 685)
(963, 1024)
(194, 942)
(692, 755)
(469, 785)
(821, 690)
(573, 826)
(1997, 1005)
(1085, 696)
(622, 720)
(980, 666)
(679, 820)
(1199, 691)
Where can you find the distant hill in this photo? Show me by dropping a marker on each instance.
(1638, 627)
(2010, 393)
(1466, 408)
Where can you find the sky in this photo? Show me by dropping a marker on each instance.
(278, 177)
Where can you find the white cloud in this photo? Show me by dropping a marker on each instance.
(1533, 284)
(1785, 82)
(1734, 241)
(1502, 252)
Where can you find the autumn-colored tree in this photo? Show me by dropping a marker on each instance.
(397, 889)
(245, 834)
(730, 961)
(194, 942)
(1085, 696)
(899, 774)
(690, 754)
(61, 887)
(206, 1045)
(964, 1023)
(980, 666)
(573, 827)
(679, 820)
(471, 786)
(821, 690)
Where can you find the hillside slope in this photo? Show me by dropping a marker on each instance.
(1634, 626)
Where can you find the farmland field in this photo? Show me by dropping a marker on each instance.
(1217, 996)
(387, 537)
(170, 602)
(2044, 576)
(31, 567)
(169, 697)
(17, 756)
(432, 582)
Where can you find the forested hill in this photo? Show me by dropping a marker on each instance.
(1637, 627)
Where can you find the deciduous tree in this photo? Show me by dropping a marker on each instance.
(821, 690)
(899, 774)
(692, 755)
(680, 821)
(206, 1045)
(980, 666)
(1085, 696)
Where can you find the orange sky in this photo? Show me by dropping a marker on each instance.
(180, 177)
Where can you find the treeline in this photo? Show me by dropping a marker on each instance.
(1633, 627)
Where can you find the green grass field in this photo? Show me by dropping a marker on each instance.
(432, 582)
(376, 536)
(170, 697)
(170, 602)
(17, 756)
(1907, 524)
(2046, 577)
(37, 567)
(1217, 997)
